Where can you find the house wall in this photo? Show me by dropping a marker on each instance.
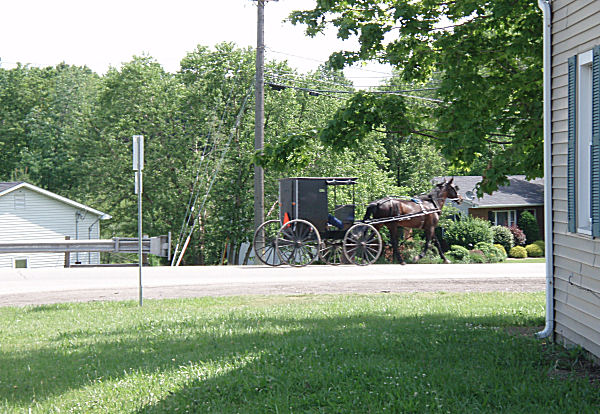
(42, 218)
(575, 29)
(539, 215)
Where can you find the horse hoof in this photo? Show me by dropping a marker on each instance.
(402, 263)
(416, 259)
(446, 261)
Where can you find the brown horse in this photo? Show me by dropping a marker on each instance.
(431, 204)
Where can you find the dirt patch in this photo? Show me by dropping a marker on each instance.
(566, 363)
(573, 363)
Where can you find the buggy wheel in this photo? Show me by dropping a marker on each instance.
(298, 243)
(264, 245)
(332, 252)
(362, 244)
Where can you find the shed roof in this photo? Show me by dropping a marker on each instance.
(9, 187)
(519, 192)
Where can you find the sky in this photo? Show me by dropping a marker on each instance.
(101, 34)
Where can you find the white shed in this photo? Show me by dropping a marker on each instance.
(28, 213)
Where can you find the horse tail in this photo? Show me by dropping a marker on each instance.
(370, 211)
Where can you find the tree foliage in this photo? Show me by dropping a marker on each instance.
(69, 130)
(487, 57)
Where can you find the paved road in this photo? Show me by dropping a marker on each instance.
(20, 287)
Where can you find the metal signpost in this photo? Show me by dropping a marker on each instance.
(138, 166)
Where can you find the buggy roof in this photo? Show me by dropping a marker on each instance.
(328, 180)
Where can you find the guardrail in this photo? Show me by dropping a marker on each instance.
(159, 246)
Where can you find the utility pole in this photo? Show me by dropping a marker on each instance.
(259, 115)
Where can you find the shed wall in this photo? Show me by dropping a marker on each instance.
(28, 215)
(575, 29)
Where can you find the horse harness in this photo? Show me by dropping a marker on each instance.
(419, 202)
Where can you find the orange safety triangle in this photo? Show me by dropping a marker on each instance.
(286, 218)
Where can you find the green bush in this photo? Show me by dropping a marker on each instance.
(492, 253)
(534, 250)
(502, 250)
(476, 256)
(413, 247)
(504, 237)
(518, 252)
(529, 225)
(540, 243)
(458, 254)
(468, 232)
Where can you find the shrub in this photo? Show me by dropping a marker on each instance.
(501, 250)
(458, 254)
(518, 235)
(492, 253)
(540, 243)
(529, 225)
(504, 237)
(476, 256)
(468, 232)
(518, 252)
(534, 250)
(413, 247)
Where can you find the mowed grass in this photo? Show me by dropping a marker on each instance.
(377, 353)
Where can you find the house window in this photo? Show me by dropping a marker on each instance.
(583, 161)
(21, 264)
(504, 217)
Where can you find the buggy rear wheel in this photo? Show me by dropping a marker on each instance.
(362, 244)
(332, 251)
(264, 245)
(298, 243)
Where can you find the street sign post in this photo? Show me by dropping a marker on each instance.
(138, 166)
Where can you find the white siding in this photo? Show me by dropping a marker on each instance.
(44, 218)
(575, 29)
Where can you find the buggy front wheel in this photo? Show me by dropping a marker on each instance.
(362, 244)
(298, 243)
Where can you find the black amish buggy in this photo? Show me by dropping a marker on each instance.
(308, 230)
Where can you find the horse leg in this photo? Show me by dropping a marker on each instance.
(429, 234)
(394, 238)
(439, 247)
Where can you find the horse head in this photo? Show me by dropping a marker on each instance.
(447, 189)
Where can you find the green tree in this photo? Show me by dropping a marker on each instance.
(528, 223)
(45, 112)
(138, 99)
(487, 57)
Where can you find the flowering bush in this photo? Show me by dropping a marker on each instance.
(518, 236)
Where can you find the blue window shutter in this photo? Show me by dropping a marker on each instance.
(595, 158)
(572, 136)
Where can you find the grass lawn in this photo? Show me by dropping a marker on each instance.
(413, 353)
